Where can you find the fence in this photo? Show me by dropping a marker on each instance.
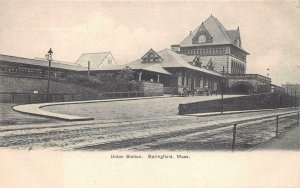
(245, 135)
(23, 98)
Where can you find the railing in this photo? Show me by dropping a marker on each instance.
(251, 76)
(247, 134)
(17, 97)
(277, 125)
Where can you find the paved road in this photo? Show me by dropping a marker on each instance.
(150, 133)
(131, 109)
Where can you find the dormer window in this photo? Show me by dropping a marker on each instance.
(202, 39)
(238, 42)
(202, 36)
(151, 56)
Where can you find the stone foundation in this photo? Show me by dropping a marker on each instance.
(151, 89)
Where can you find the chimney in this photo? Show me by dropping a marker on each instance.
(175, 48)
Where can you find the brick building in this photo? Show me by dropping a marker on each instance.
(292, 89)
(215, 45)
(220, 50)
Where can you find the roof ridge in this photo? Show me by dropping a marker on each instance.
(53, 60)
(95, 52)
(21, 57)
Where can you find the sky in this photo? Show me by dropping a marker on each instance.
(270, 30)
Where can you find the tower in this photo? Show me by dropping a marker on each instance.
(212, 43)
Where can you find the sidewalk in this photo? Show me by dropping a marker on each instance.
(289, 140)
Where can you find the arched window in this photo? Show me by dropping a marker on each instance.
(202, 39)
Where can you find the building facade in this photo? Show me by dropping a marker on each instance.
(220, 50)
(212, 42)
(175, 71)
(291, 89)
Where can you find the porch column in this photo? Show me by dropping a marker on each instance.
(158, 78)
(215, 85)
(140, 76)
(186, 80)
(179, 81)
(201, 82)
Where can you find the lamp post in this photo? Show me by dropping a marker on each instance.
(295, 98)
(222, 91)
(89, 64)
(291, 98)
(49, 58)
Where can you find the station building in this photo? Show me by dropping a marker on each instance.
(211, 42)
(175, 71)
(210, 56)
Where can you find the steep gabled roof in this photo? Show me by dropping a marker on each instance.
(231, 34)
(216, 30)
(191, 58)
(95, 59)
(170, 58)
(150, 51)
(173, 60)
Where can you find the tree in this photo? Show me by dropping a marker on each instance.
(125, 80)
(122, 81)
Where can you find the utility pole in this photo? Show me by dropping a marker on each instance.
(295, 98)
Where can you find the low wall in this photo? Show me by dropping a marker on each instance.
(252, 102)
(151, 89)
(26, 84)
(27, 98)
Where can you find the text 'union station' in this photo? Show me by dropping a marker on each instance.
(208, 56)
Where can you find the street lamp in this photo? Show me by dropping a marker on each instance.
(222, 91)
(295, 98)
(291, 98)
(49, 58)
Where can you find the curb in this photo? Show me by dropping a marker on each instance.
(36, 109)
